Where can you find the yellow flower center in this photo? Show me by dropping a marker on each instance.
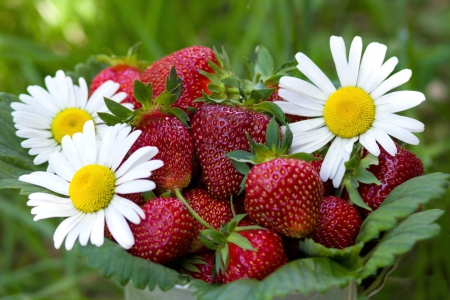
(349, 112)
(68, 122)
(92, 188)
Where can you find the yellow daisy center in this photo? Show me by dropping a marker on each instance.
(349, 112)
(92, 188)
(68, 122)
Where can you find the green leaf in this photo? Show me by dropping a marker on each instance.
(369, 160)
(143, 93)
(14, 160)
(273, 136)
(179, 114)
(230, 81)
(240, 241)
(87, 70)
(118, 109)
(348, 257)
(242, 156)
(354, 194)
(403, 201)
(271, 108)
(401, 239)
(361, 174)
(261, 94)
(173, 83)
(109, 119)
(112, 260)
(299, 276)
(264, 63)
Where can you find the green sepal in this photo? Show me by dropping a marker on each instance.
(179, 114)
(118, 109)
(242, 156)
(240, 241)
(174, 83)
(271, 108)
(273, 136)
(308, 157)
(261, 94)
(288, 137)
(109, 119)
(362, 175)
(143, 93)
(355, 198)
(149, 195)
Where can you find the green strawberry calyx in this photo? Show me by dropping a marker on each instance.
(131, 59)
(218, 240)
(226, 88)
(144, 95)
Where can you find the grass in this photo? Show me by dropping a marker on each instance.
(39, 37)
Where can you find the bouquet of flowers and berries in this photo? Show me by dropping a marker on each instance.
(180, 173)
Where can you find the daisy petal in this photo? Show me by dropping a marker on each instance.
(123, 149)
(384, 140)
(127, 209)
(370, 64)
(88, 224)
(64, 228)
(407, 123)
(49, 181)
(337, 179)
(332, 157)
(136, 186)
(71, 152)
(312, 71)
(382, 74)
(139, 156)
(296, 110)
(311, 147)
(399, 102)
(303, 87)
(354, 59)
(339, 54)
(73, 234)
(119, 227)
(90, 143)
(61, 166)
(98, 229)
(392, 82)
(397, 132)
(307, 125)
(56, 214)
(300, 100)
(367, 139)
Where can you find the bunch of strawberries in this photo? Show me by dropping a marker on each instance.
(231, 201)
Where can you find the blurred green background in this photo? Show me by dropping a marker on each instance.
(38, 37)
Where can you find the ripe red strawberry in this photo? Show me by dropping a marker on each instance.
(123, 70)
(217, 130)
(338, 224)
(267, 256)
(187, 62)
(166, 233)
(162, 126)
(282, 192)
(391, 171)
(214, 211)
(200, 266)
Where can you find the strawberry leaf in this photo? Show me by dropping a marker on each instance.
(118, 109)
(403, 201)
(401, 239)
(112, 260)
(14, 160)
(264, 65)
(261, 94)
(240, 241)
(109, 119)
(143, 93)
(273, 136)
(351, 187)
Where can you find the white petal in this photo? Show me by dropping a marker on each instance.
(381, 75)
(65, 227)
(293, 109)
(148, 166)
(56, 214)
(307, 125)
(302, 87)
(371, 62)
(392, 82)
(90, 143)
(44, 99)
(312, 71)
(397, 132)
(385, 141)
(37, 143)
(71, 153)
(306, 137)
(337, 179)
(17, 106)
(49, 207)
(78, 142)
(96, 102)
(44, 155)
(119, 227)
(128, 209)
(407, 123)
(33, 133)
(367, 139)
(354, 59)
(136, 186)
(98, 229)
(398, 101)
(72, 236)
(61, 166)
(339, 54)
(52, 88)
(300, 100)
(123, 149)
(313, 146)
(48, 181)
(133, 175)
(138, 157)
(31, 120)
(49, 198)
(88, 225)
(82, 93)
(332, 158)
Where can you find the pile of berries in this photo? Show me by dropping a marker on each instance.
(230, 201)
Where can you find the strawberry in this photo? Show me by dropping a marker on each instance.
(164, 127)
(218, 129)
(200, 266)
(244, 251)
(187, 62)
(267, 255)
(282, 192)
(123, 70)
(338, 225)
(165, 234)
(214, 211)
(391, 171)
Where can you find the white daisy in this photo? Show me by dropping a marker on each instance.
(44, 117)
(360, 109)
(88, 179)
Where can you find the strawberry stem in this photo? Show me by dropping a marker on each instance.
(192, 212)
